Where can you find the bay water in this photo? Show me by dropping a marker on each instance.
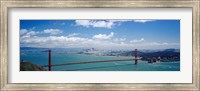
(40, 58)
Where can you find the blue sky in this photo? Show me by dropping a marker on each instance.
(105, 34)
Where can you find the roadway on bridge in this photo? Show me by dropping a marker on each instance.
(88, 62)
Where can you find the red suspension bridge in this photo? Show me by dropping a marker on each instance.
(136, 58)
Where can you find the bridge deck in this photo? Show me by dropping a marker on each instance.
(87, 62)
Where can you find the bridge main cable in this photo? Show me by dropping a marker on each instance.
(87, 62)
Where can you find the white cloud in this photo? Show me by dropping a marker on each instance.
(28, 34)
(85, 23)
(143, 21)
(102, 24)
(105, 23)
(32, 33)
(93, 23)
(107, 41)
(73, 34)
(53, 31)
(23, 31)
(136, 41)
(157, 44)
(103, 36)
(165, 43)
(119, 20)
(79, 42)
(119, 39)
(54, 41)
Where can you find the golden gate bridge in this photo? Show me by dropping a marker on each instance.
(50, 65)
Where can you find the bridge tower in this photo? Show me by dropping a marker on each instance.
(136, 59)
(49, 65)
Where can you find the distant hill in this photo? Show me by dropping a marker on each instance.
(165, 55)
(28, 66)
(160, 54)
(172, 50)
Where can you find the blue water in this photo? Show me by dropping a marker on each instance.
(59, 57)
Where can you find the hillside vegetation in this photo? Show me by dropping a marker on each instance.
(28, 66)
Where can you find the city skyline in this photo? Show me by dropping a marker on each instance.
(103, 34)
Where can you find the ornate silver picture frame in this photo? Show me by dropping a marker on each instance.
(8, 4)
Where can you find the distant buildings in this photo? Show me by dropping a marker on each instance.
(151, 57)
